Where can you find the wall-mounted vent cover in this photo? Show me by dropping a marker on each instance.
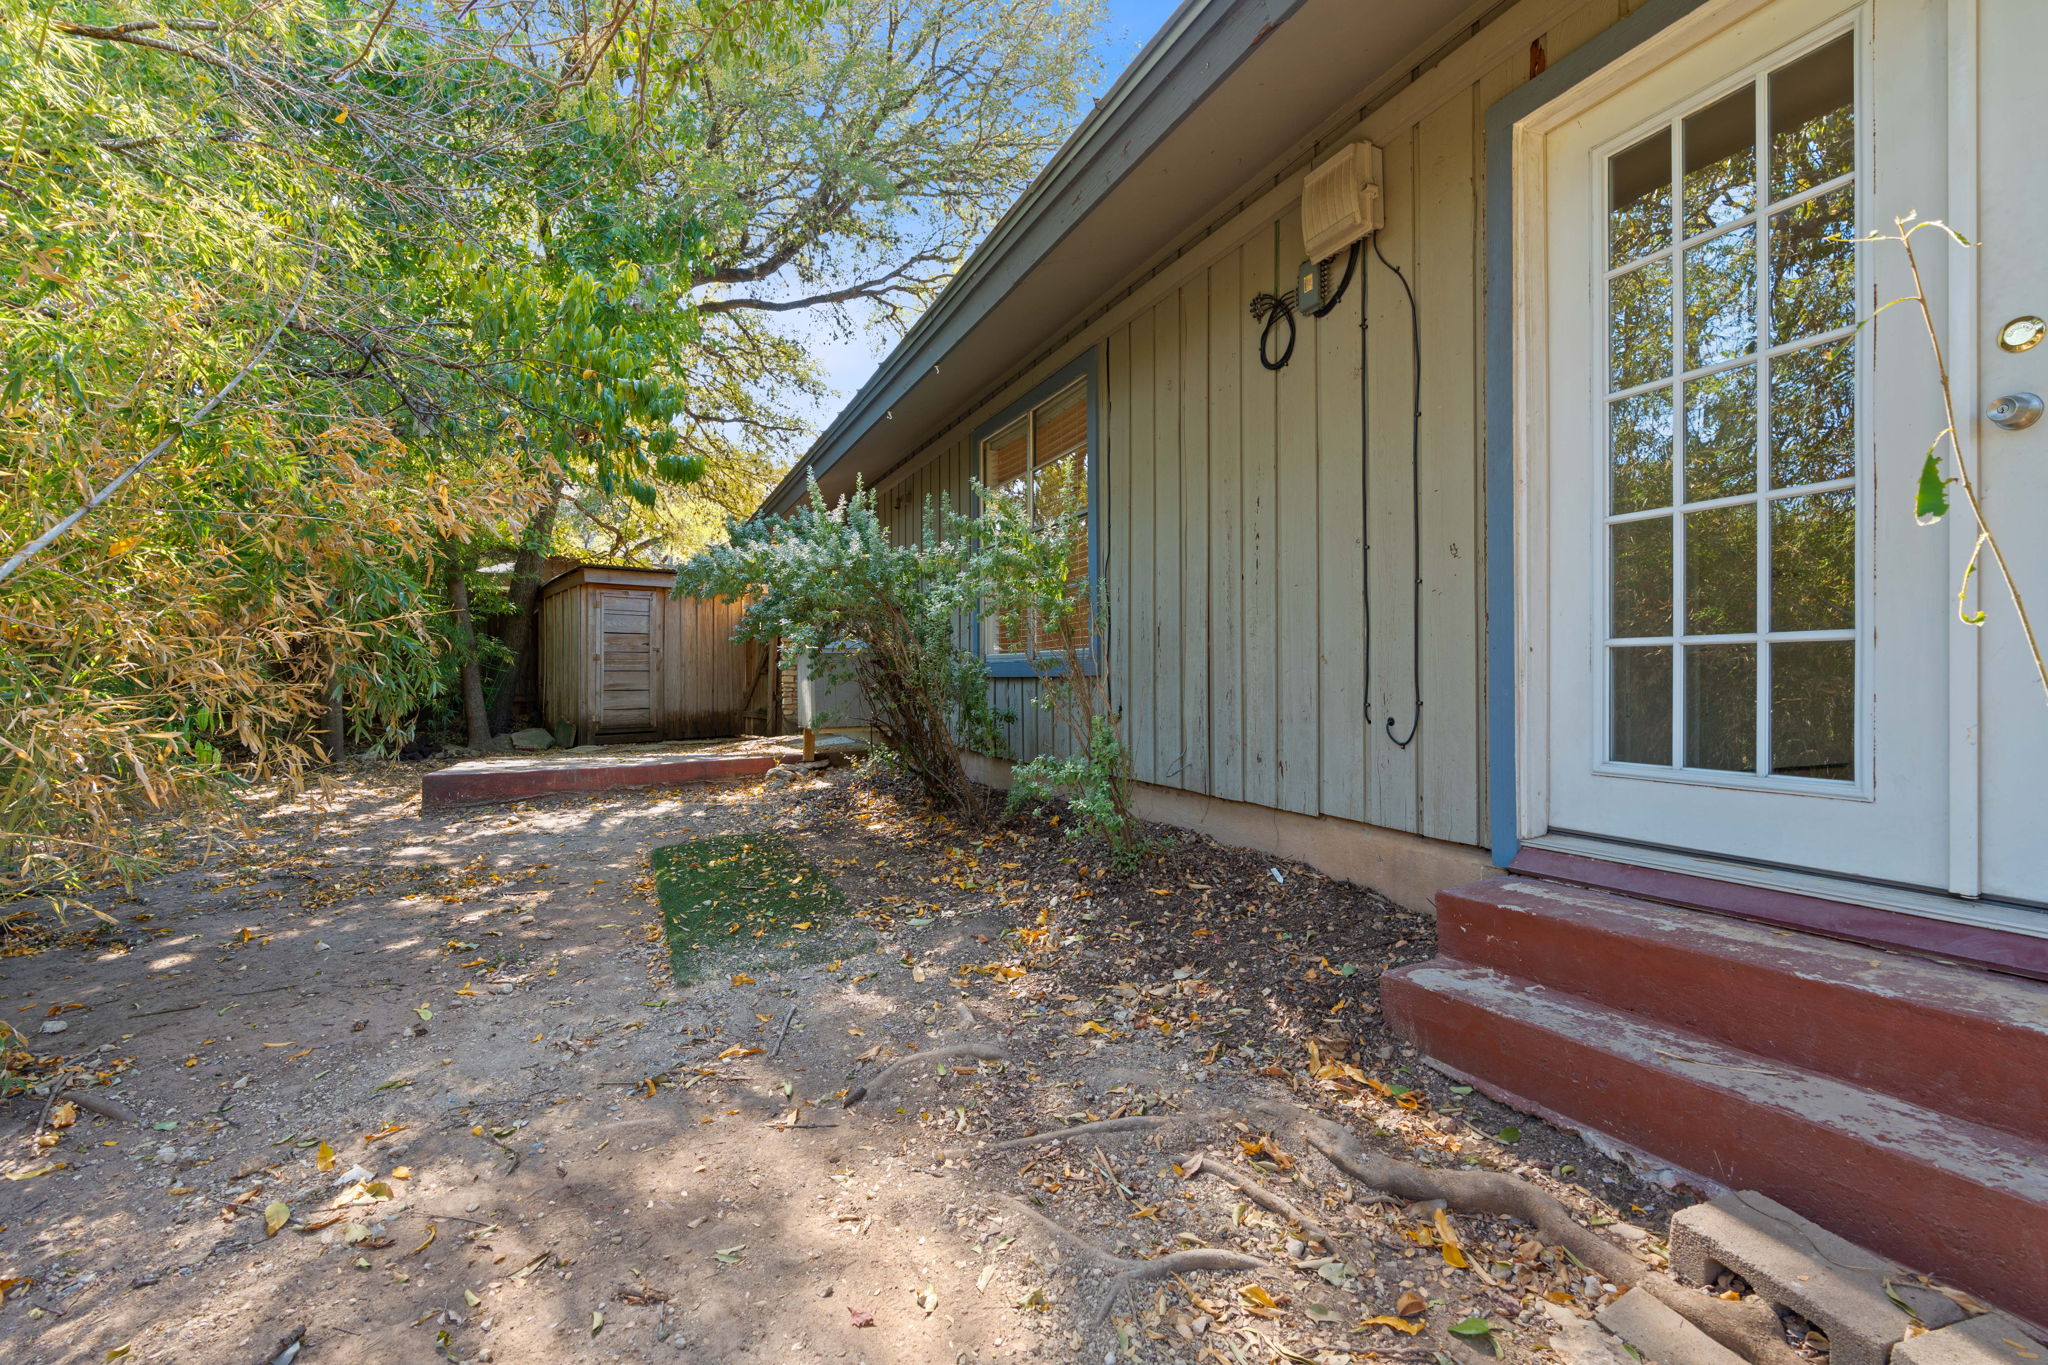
(1340, 201)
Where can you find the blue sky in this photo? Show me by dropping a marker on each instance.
(847, 362)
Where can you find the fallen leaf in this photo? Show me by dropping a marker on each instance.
(928, 1298)
(424, 1011)
(1398, 1324)
(1258, 1301)
(63, 1116)
(323, 1157)
(596, 1323)
(275, 1215)
(401, 1172)
(737, 1052)
(1410, 1305)
(861, 1317)
(1472, 1327)
(35, 1171)
(471, 1299)
(433, 1231)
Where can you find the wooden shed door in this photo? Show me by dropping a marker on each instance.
(626, 675)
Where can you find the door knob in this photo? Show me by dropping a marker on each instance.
(2015, 411)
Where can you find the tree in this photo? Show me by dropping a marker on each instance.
(837, 185)
(311, 293)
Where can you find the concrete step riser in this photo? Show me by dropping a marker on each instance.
(1944, 1037)
(1908, 1200)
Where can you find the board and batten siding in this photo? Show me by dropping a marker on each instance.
(1259, 529)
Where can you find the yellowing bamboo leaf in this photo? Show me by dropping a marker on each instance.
(1398, 1324)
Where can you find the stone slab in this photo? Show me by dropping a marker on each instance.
(1661, 1335)
(1794, 1263)
(1992, 1339)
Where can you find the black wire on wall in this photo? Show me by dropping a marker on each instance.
(1415, 506)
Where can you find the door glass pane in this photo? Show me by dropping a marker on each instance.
(1639, 190)
(1720, 435)
(1720, 162)
(1813, 119)
(1813, 709)
(1720, 570)
(1813, 266)
(1639, 447)
(1720, 707)
(1744, 441)
(1642, 706)
(1813, 415)
(1642, 578)
(1813, 562)
(1720, 297)
(1639, 325)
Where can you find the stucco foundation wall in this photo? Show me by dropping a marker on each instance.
(1404, 868)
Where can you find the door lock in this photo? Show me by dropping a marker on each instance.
(2015, 411)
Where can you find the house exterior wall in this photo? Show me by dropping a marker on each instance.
(1252, 522)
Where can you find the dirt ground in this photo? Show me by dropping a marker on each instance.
(444, 1055)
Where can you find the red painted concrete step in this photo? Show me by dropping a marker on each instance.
(1939, 1193)
(1955, 1039)
(513, 779)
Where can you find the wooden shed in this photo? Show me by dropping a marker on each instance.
(621, 660)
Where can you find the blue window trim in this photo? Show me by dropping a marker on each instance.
(1503, 695)
(1088, 366)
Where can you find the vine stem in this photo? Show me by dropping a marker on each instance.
(1985, 538)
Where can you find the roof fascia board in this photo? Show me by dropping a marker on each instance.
(1171, 77)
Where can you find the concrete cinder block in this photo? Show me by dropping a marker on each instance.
(1993, 1339)
(1797, 1264)
(1661, 1335)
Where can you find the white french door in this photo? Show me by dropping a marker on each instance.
(1738, 643)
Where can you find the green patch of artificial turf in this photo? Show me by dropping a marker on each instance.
(742, 902)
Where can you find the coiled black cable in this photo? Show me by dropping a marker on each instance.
(1274, 309)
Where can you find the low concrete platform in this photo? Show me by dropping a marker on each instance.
(595, 767)
(494, 781)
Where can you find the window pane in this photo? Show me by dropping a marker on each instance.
(1060, 427)
(1813, 709)
(1813, 266)
(1720, 570)
(1813, 415)
(1639, 325)
(1640, 188)
(1813, 119)
(1720, 435)
(1813, 562)
(1720, 707)
(1720, 162)
(1062, 488)
(1642, 705)
(1642, 578)
(1720, 297)
(1003, 459)
(1639, 451)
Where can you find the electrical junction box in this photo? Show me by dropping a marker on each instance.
(1308, 287)
(1341, 202)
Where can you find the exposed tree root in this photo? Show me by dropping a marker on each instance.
(106, 1109)
(1749, 1329)
(1195, 1163)
(1135, 1123)
(1127, 1272)
(979, 1052)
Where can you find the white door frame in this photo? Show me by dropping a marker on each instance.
(1531, 420)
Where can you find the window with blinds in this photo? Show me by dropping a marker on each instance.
(1042, 457)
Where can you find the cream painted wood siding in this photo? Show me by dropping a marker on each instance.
(1260, 529)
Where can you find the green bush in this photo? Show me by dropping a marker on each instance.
(828, 575)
